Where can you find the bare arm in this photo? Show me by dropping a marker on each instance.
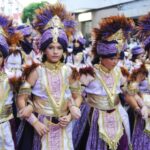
(26, 111)
(130, 99)
(24, 94)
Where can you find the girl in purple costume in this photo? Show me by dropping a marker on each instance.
(141, 139)
(7, 122)
(56, 94)
(109, 126)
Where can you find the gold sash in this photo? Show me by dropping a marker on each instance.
(43, 107)
(111, 94)
(56, 106)
(4, 89)
(101, 102)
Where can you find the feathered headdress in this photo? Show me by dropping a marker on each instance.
(79, 37)
(53, 22)
(43, 18)
(14, 37)
(142, 69)
(143, 29)
(113, 28)
(26, 30)
(5, 23)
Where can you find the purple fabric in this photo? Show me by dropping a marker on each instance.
(80, 124)
(37, 139)
(144, 86)
(48, 34)
(123, 142)
(81, 40)
(147, 41)
(5, 21)
(137, 50)
(106, 48)
(96, 143)
(140, 140)
(25, 30)
(4, 45)
(20, 131)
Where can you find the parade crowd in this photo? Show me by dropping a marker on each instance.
(61, 91)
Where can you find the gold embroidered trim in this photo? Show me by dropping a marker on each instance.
(56, 106)
(53, 66)
(112, 143)
(111, 94)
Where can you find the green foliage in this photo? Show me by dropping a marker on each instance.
(29, 11)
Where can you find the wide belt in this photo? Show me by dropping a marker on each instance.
(102, 102)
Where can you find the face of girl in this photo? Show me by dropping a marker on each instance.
(54, 52)
(76, 44)
(110, 63)
(141, 56)
(140, 77)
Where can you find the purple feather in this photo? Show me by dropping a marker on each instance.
(5, 21)
(69, 23)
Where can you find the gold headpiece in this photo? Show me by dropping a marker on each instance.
(55, 23)
(56, 19)
(119, 37)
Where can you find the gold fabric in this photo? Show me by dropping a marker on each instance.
(55, 24)
(4, 89)
(111, 92)
(101, 102)
(6, 113)
(53, 66)
(50, 106)
(110, 128)
(25, 89)
(119, 37)
(43, 107)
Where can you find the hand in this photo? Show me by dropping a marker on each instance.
(26, 112)
(86, 79)
(40, 128)
(75, 112)
(65, 120)
(138, 111)
(144, 112)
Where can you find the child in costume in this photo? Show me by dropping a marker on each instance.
(7, 124)
(137, 57)
(109, 124)
(141, 139)
(55, 94)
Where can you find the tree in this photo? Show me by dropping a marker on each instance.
(29, 11)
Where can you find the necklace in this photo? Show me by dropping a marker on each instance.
(54, 67)
(109, 91)
(104, 69)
